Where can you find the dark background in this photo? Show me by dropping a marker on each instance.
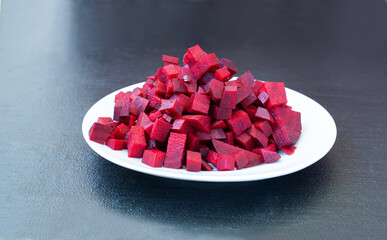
(57, 58)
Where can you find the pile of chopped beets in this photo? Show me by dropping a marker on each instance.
(193, 115)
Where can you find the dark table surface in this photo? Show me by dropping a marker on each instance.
(57, 58)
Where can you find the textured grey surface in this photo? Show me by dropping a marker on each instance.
(57, 58)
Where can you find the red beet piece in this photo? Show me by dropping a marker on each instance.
(263, 97)
(193, 161)
(184, 100)
(117, 111)
(193, 142)
(147, 87)
(212, 157)
(132, 120)
(192, 86)
(289, 150)
(178, 86)
(251, 110)
(245, 140)
(207, 78)
(264, 126)
(204, 137)
(285, 136)
(171, 71)
(247, 78)
(99, 133)
(242, 93)
(208, 63)
(138, 105)
(175, 150)
(203, 149)
(231, 66)
(218, 124)
(226, 163)
(170, 60)
(258, 136)
(155, 115)
(120, 131)
(160, 88)
(239, 122)
(150, 80)
(217, 133)
(119, 96)
(155, 102)
(220, 113)
(199, 122)
(206, 166)
(105, 120)
(249, 100)
(222, 74)
(257, 85)
(271, 147)
(269, 156)
(215, 88)
(229, 97)
(286, 117)
(151, 93)
(200, 104)
(193, 55)
(276, 92)
(115, 144)
(160, 75)
(136, 142)
(182, 126)
(160, 130)
(241, 160)
(229, 138)
(263, 114)
(167, 118)
(171, 107)
(153, 158)
(233, 83)
(224, 148)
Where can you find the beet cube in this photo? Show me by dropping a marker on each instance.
(167, 118)
(257, 85)
(272, 147)
(285, 136)
(192, 86)
(206, 166)
(120, 131)
(138, 105)
(171, 71)
(99, 133)
(289, 150)
(263, 114)
(263, 97)
(231, 66)
(181, 126)
(269, 156)
(136, 142)
(276, 92)
(245, 140)
(203, 136)
(233, 83)
(199, 122)
(207, 77)
(242, 93)
(155, 102)
(221, 113)
(193, 161)
(170, 60)
(193, 55)
(286, 117)
(247, 78)
(229, 97)
(203, 149)
(193, 142)
(160, 75)
(184, 100)
(153, 158)
(229, 138)
(208, 63)
(218, 124)
(115, 144)
(258, 136)
(222, 74)
(151, 93)
(226, 163)
(212, 157)
(217, 133)
(249, 100)
(105, 120)
(175, 150)
(171, 107)
(160, 88)
(241, 160)
(239, 122)
(200, 104)
(155, 115)
(117, 111)
(251, 110)
(215, 88)
(132, 120)
(178, 85)
(160, 130)
(264, 126)
(119, 96)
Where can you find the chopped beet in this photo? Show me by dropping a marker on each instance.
(269, 156)
(132, 120)
(289, 150)
(251, 110)
(276, 92)
(285, 136)
(160, 88)
(219, 124)
(286, 117)
(175, 150)
(200, 104)
(155, 102)
(160, 75)
(229, 97)
(193, 161)
(207, 78)
(258, 136)
(264, 126)
(231, 66)
(215, 89)
(217, 133)
(115, 144)
(226, 163)
(203, 149)
(182, 126)
(243, 92)
(120, 131)
(212, 157)
(249, 100)
(184, 100)
(271, 147)
(206, 166)
(246, 79)
(208, 63)
(138, 105)
(99, 133)
(171, 70)
(151, 93)
(245, 140)
(160, 130)
(167, 118)
(262, 113)
(136, 142)
(154, 115)
(239, 122)
(220, 113)
(193, 142)
(105, 120)
(257, 85)
(203, 136)
(199, 122)
(229, 138)
(222, 74)
(193, 55)
(263, 97)
(170, 60)
(153, 158)
(241, 160)
(171, 107)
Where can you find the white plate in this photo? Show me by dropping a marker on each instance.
(317, 138)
